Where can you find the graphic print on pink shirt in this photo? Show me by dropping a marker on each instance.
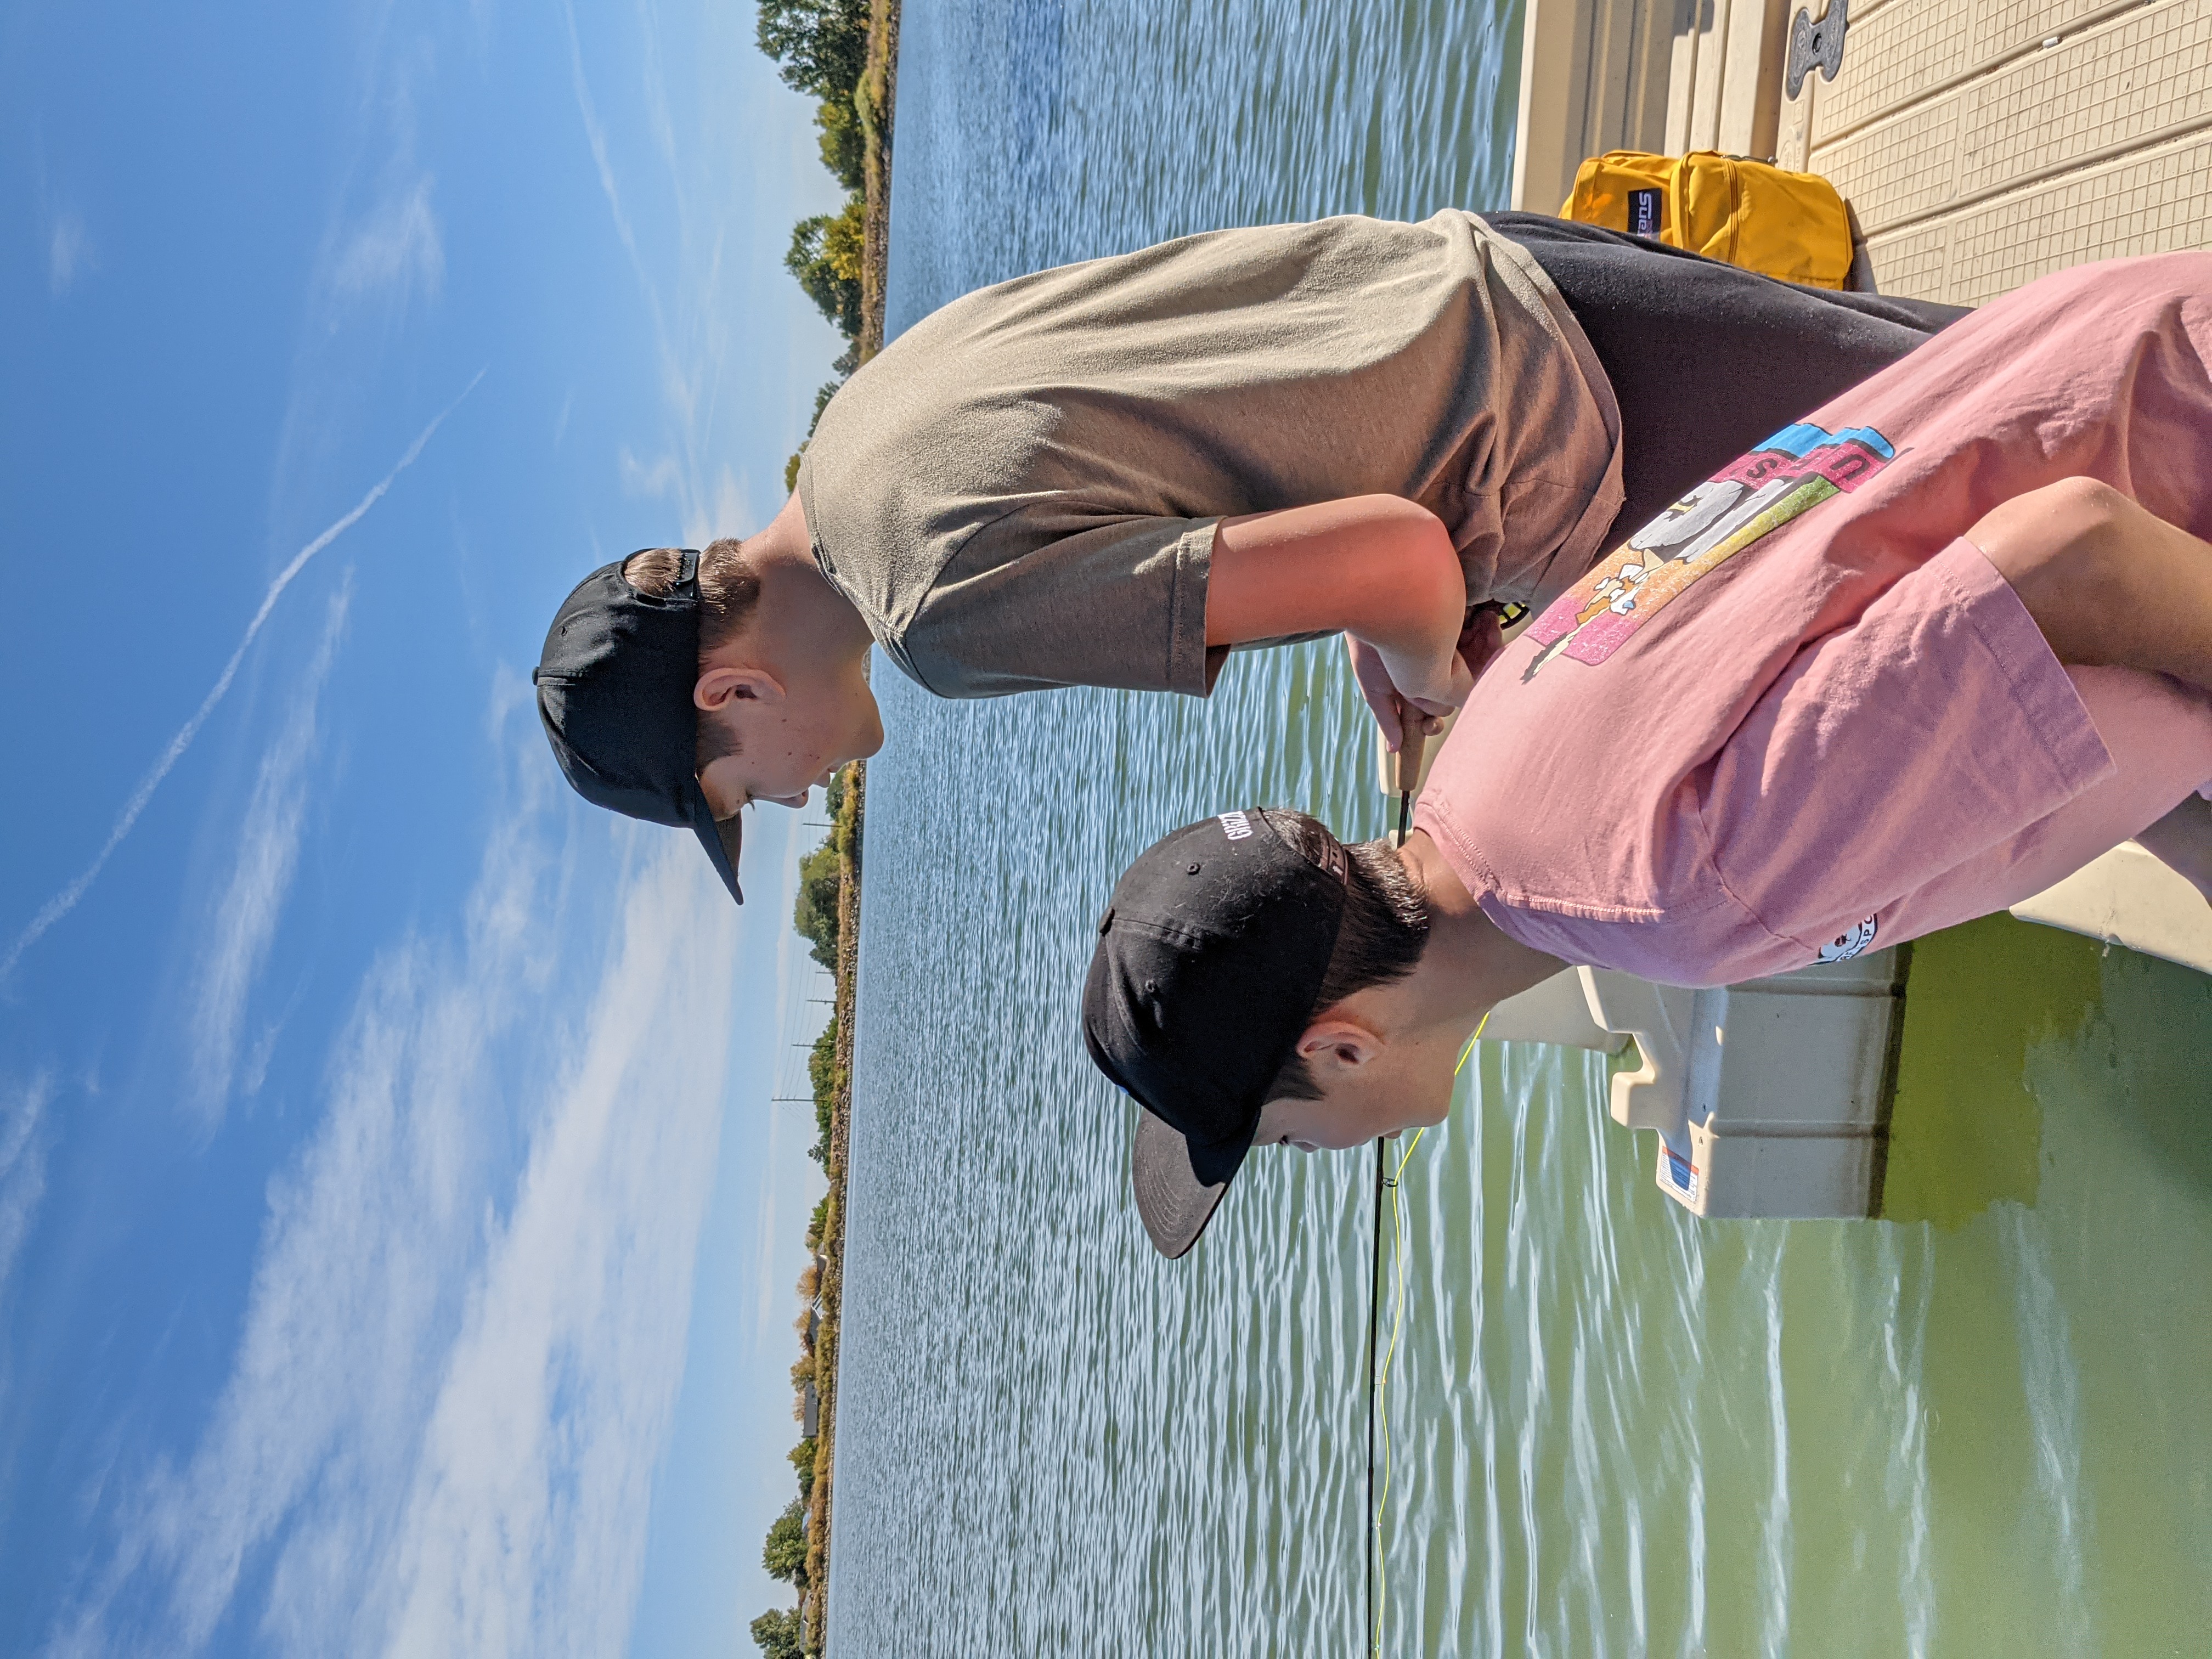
(1797, 468)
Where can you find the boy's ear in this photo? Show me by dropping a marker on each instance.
(718, 686)
(1335, 1045)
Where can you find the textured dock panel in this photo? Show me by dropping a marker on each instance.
(1984, 143)
(2149, 203)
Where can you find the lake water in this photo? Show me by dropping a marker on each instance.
(1983, 1428)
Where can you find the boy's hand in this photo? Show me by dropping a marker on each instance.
(1403, 712)
(1480, 643)
(1378, 568)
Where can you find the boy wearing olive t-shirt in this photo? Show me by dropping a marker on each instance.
(1113, 473)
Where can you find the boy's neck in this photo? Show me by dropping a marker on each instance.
(809, 612)
(1470, 964)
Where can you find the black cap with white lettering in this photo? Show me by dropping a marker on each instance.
(614, 691)
(1211, 956)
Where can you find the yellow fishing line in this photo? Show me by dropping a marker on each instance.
(1383, 1382)
(1400, 1221)
(1472, 1040)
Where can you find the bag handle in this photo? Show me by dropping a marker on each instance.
(1678, 201)
(1736, 206)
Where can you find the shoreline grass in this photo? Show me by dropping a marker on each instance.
(872, 100)
(847, 830)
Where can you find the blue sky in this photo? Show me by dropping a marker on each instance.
(397, 1233)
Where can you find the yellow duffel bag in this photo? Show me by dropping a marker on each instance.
(1790, 225)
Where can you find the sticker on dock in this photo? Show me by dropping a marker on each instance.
(1748, 499)
(1678, 1172)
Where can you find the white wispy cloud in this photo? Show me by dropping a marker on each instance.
(69, 254)
(524, 1528)
(65, 901)
(23, 1139)
(245, 922)
(660, 479)
(354, 1277)
(455, 1378)
(595, 135)
(731, 493)
(398, 247)
(690, 346)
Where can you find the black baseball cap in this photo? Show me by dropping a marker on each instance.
(614, 690)
(1211, 956)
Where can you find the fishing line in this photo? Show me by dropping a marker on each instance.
(1399, 1221)
(1378, 1376)
(1374, 1314)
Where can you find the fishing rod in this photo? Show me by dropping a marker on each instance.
(1401, 770)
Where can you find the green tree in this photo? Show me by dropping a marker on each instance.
(791, 467)
(824, 256)
(815, 915)
(844, 144)
(845, 364)
(817, 1223)
(822, 1062)
(802, 1459)
(822, 1073)
(820, 47)
(784, 1555)
(778, 1634)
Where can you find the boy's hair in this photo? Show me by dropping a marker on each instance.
(728, 593)
(1380, 940)
(728, 589)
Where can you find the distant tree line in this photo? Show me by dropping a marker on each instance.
(780, 1632)
(820, 48)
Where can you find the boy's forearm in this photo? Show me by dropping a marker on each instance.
(1379, 567)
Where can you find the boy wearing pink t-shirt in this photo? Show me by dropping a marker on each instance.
(1915, 658)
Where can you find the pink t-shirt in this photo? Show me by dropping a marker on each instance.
(1799, 715)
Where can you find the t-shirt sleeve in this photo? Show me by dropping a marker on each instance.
(1937, 726)
(1119, 601)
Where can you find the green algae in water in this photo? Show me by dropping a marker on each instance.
(1988, 1004)
(2052, 1130)
(1965, 1132)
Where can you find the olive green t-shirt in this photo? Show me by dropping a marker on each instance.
(1021, 490)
